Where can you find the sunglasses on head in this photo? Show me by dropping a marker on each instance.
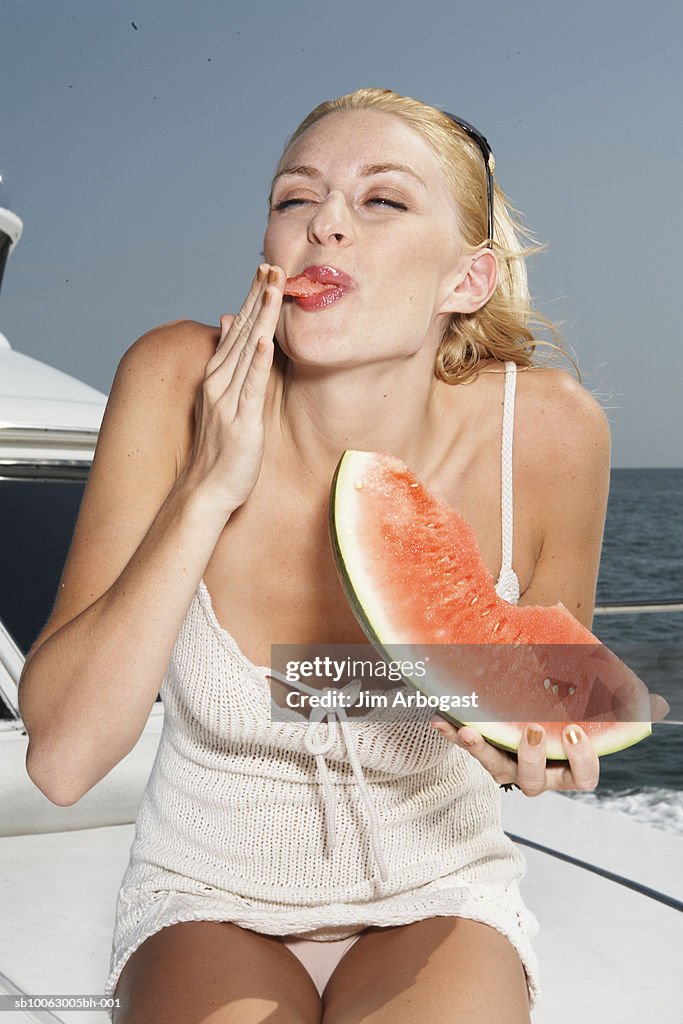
(489, 164)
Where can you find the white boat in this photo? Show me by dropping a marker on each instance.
(607, 890)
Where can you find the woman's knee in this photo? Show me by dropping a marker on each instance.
(442, 968)
(195, 970)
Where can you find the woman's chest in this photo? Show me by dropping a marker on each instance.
(272, 576)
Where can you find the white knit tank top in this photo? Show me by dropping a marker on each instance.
(319, 829)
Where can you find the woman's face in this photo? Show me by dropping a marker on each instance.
(362, 193)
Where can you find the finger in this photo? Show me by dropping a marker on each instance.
(452, 731)
(264, 328)
(226, 371)
(583, 770)
(531, 760)
(497, 762)
(271, 303)
(254, 323)
(255, 385)
(226, 321)
(442, 725)
(659, 708)
(258, 284)
(232, 327)
(448, 729)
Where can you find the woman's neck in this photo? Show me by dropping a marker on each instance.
(313, 415)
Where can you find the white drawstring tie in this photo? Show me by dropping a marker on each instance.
(318, 746)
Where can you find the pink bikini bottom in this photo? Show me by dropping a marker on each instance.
(319, 958)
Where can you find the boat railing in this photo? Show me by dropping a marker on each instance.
(657, 606)
(674, 604)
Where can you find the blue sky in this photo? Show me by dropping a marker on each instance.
(138, 140)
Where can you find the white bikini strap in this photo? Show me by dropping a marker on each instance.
(506, 467)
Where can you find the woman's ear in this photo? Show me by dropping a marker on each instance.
(474, 285)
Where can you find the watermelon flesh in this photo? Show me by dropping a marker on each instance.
(301, 286)
(414, 576)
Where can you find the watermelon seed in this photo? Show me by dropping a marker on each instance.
(546, 683)
(571, 689)
(497, 626)
(474, 599)
(556, 690)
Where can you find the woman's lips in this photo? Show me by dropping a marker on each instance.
(318, 287)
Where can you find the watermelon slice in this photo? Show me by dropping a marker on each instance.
(414, 576)
(301, 286)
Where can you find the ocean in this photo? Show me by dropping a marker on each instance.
(642, 560)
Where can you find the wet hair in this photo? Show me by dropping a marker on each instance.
(502, 328)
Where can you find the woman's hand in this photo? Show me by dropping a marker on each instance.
(530, 771)
(227, 452)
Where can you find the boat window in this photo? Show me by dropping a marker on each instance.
(37, 520)
(5, 242)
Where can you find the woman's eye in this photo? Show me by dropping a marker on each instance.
(385, 201)
(284, 204)
(378, 201)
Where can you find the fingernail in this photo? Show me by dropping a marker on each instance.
(573, 735)
(533, 736)
(261, 273)
(272, 276)
(266, 297)
(467, 741)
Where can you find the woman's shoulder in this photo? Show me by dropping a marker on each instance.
(176, 347)
(558, 408)
(562, 438)
(163, 370)
(562, 443)
(553, 410)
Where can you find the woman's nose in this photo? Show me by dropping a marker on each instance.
(331, 224)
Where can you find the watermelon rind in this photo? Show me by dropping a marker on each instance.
(370, 610)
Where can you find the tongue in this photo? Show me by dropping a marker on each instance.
(301, 286)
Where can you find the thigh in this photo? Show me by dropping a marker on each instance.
(198, 972)
(443, 970)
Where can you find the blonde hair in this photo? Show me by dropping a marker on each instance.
(501, 329)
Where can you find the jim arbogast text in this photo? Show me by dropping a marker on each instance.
(331, 698)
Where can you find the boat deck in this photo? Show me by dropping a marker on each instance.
(606, 951)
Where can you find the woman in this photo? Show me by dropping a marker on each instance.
(207, 505)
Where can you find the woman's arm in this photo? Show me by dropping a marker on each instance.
(145, 533)
(140, 542)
